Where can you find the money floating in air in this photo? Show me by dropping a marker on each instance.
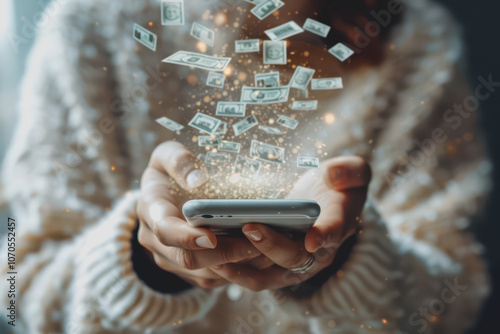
(145, 37)
(169, 124)
(270, 130)
(255, 2)
(205, 123)
(316, 27)
(222, 129)
(231, 109)
(212, 140)
(202, 33)
(246, 168)
(327, 84)
(305, 105)
(247, 45)
(245, 125)
(287, 122)
(267, 152)
(257, 95)
(229, 146)
(271, 79)
(341, 52)
(216, 80)
(266, 8)
(172, 12)
(218, 157)
(284, 31)
(301, 77)
(275, 53)
(307, 162)
(198, 60)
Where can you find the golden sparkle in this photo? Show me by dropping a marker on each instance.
(329, 118)
(220, 19)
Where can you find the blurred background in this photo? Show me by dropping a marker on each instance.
(479, 20)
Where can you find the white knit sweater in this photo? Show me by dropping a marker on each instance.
(413, 269)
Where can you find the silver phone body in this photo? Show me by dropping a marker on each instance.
(227, 216)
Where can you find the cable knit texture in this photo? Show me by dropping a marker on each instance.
(76, 214)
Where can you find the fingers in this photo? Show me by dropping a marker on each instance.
(342, 173)
(174, 159)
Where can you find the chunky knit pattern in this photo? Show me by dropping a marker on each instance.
(76, 215)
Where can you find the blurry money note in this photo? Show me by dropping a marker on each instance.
(145, 37)
(341, 52)
(231, 109)
(198, 60)
(205, 123)
(301, 77)
(316, 27)
(172, 12)
(216, 80)
(267, 152)
(270, 130)
(222, 129)
(257, 95)
(266, 8)
(229, 146)
(201, 157)
(327, 84)
(271, 79)
(255, 2)
(208, 140)
(307, 162)
(287, 122)
(305, 105)
(247, 168)
(247, 45)
(169, 124)
(202, 33)
(284, 31)
(275, 53)
(244, 125)
(218, 157)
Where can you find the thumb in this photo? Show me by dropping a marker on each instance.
(344, 173)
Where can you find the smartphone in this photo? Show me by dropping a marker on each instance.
(227, 216)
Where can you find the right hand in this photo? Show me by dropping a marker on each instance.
(177, 247)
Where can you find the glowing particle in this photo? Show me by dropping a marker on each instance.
(384, 321)
(220, 19)
(113, 168)
(192, 79)
(329, 118)
(331, 323)
(150, 23)
(202, 47)
(229, 70)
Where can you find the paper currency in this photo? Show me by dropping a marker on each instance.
(284, 31)
(202, 33)
(307, 162)
(287, 122)
(222, 129)
(316, 27)
(275, 53)
(212, 140)
(247, 45)
(301, 77)
(271, 79)
(246, 168)
(145, 37)
(205, 123)
(327, 84)
(267, 152)
(169, 124)
(305, 105)
(341, 52)
(216, 80)
(270, 130)
(244, 125)
(218, 157)
(257, 95)
(231, 109)
(198, 60)
(229, 146)
(172, 12)
(255, 2)
(266, 8)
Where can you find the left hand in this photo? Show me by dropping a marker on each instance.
(340, 187)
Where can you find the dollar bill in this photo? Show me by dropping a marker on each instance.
(246, 168)
(222, 129)
(316, 27)
(145, 37)
(229, 146)
(307, 162)
(284, 31)
(216, 80)
(198, 60)
(302, 77)
(245, 125)
(255, 2)
(231, 109)
(271, 79)
(267, 152)
(327, 84)
(202, 33)
(205, 123)
(341, 52)
(270, 130)
(257, 95)
(287, 122)
(247, 45)
(275, 53)
(266, 8)
(169, 124)
(172, 12)
(212, 140)
(218, 157)
(305, 105)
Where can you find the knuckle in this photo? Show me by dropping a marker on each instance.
(186, 259)
(142, 236)
(161, 261)
(185, 241)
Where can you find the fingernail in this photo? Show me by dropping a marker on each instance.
(196, 178)
(204, 242)
(254, 235)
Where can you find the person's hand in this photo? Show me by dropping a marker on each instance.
(340, 187)
(177, 247)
